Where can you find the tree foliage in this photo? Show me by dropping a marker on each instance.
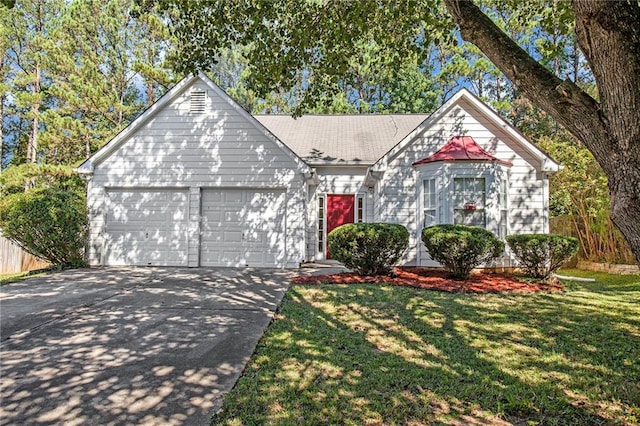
(580, 203)
(49, 223)
(608, 125)
(15, 179)
(74, 73)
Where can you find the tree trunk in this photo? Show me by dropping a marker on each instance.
(32, 147)
(1, 130)
(2, 99)
(151, 98)
(608, 34)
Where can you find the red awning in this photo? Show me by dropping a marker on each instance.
(461, 148)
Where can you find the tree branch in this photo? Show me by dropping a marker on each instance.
(563, 100)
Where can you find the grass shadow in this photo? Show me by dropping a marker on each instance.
(368, 354)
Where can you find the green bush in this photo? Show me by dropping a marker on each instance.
(460, 248)
(47, 222)
(540, 255)
(15, 179)
(368, 248)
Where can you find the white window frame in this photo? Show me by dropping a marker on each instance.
(436, 208)
(359, 209)
(321, 244)
(464, 177)
(444, 174)
(503, 206)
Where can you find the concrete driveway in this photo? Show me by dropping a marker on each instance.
(130, 345)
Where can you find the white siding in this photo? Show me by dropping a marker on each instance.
(396, 192)
(220, 148)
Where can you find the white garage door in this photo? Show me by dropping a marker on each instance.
(146, 227)
(243, 227)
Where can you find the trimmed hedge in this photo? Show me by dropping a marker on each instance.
(48, 222)
(460, 248)
(540, 255)
(368, 248)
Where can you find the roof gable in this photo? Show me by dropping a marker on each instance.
(99, 156)
(461, 148)
(547, 164)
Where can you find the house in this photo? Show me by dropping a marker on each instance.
(198, 181)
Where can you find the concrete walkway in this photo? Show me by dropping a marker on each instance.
(130, 345)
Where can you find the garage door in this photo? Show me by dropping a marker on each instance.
(243, 227)
(146, 227)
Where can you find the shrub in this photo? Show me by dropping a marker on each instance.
(48, 222)
(540, 255)
(368, 248)
(15, 179)
(460, 248)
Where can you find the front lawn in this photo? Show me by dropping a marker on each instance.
(376, 354)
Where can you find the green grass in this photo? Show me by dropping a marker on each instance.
(370, 354)
(21, 276)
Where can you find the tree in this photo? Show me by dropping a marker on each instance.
(609, 35)
(99, 63)
(321, 38)
(579, 201)
(28, 44)
(4, 88)
(92, 79)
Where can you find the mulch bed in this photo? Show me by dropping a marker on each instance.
(431, 279)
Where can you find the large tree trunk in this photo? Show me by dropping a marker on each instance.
(609, 35)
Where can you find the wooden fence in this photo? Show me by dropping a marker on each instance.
(14, 260)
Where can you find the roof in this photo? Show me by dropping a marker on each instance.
(460, 148)
(341, 139)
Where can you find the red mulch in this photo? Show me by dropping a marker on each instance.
(432, 279)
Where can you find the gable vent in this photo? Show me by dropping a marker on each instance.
(198, 101)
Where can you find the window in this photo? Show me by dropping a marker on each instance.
(504, 217)
(359, 209)
(429, 202)
(198, 101)
(469, 201)
(321, 224)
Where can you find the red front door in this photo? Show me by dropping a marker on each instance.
(339, 211)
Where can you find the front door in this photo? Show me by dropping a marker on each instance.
(339, 211)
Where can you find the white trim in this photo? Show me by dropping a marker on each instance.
(491, 172)
(321, 253)
(89, 165)
(304, 167)
(357, 197)
(547, 164)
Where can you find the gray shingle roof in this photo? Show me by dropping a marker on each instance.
(341, 139)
